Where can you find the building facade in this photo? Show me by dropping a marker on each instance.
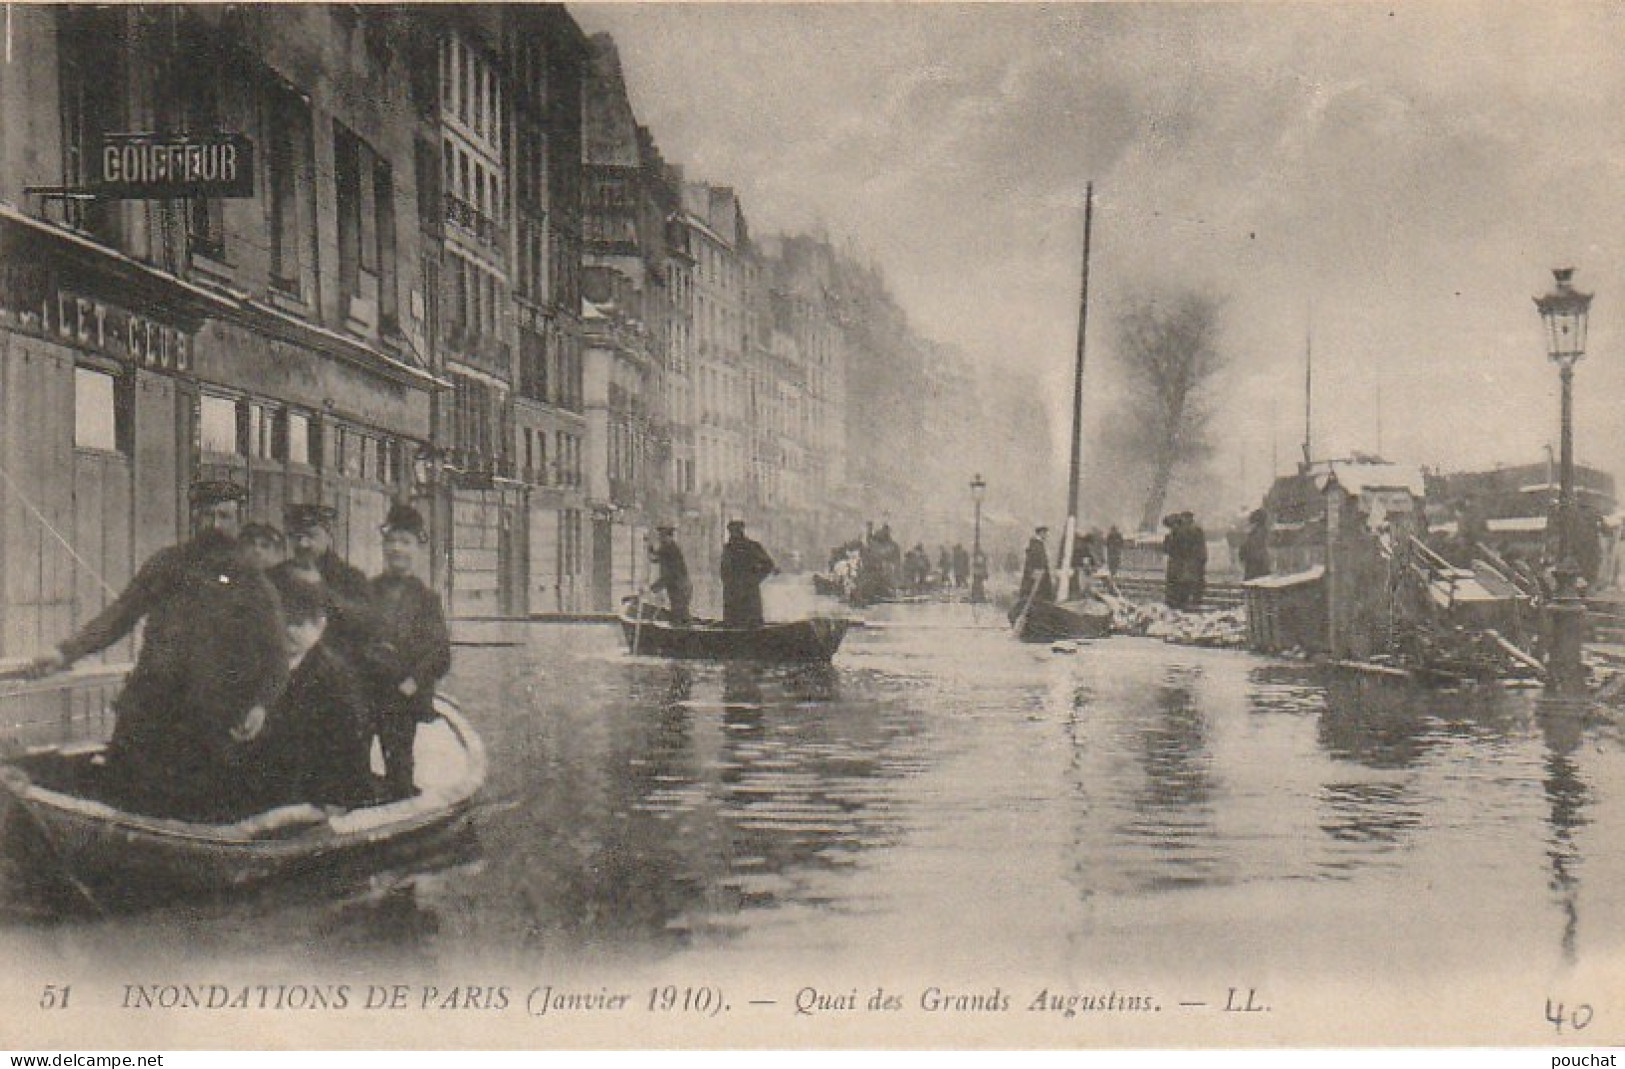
(149, 339)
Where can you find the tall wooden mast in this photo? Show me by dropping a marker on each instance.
(1076, 473)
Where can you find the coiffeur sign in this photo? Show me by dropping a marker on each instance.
(160, 166)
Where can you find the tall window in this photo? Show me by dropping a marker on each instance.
(383, 185)
(203, 72)
(365, 186)
(91, 72)
(291, 193)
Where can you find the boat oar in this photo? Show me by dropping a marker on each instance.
(1021, 618)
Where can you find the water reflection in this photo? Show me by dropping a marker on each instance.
(1566, 798)
(1377, 723)
(1173, 813)
(644, 809)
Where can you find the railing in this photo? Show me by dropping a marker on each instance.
(70, 707)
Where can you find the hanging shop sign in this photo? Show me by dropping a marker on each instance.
(162, 166)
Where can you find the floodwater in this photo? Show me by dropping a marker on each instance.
(944, 806)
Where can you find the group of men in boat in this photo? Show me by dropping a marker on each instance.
(263, 680)
(745, 565)
(1092, 551)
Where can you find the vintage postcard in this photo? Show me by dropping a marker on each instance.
(803, 526)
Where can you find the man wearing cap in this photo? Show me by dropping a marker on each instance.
(211, 662)
(263, 545)
(744, 565)
(310, 541)
(411, 652)
(672, 575)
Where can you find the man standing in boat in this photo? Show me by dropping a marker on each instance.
(672, 574)
(1036, 584)
(411, 652)
(211, 661)
(744, 565)
(351, 622)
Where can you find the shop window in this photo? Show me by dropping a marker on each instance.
(101, 413)
(298, 437)
(262, 432)
(218, 425)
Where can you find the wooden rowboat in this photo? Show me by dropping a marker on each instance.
(95, 845)
(812, 639)
(1047, 621)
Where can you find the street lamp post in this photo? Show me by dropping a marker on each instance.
(978, 563)
(1564, 313)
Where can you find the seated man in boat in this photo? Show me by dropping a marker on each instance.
(315, 742)
(411, 652)
(744, 565)
(211, 658)
(672, 575)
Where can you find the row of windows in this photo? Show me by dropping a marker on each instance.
(475, 184)
(565, 467)
(475, 298)
(550, 369)
(204, 83)
(241, 427)
(267, 430)
(469, 89)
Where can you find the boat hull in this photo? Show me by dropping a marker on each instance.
(813, 639)
(1047, 621)
(97, 845)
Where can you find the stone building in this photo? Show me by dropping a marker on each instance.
(629, 195)
(510, 429)
(275, 331)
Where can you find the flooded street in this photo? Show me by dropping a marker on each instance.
(944, 805)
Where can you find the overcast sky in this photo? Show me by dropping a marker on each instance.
(1402, 178)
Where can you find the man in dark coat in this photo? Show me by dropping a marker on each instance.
(672, 574)
(961, 564)
(1114, 549)
(744, 565)
(1176, 578)
(315, 745)
(1255, 548)
(1195, 540)
(211, 659)
(411, 652)
(351, 622)
(1036, 583)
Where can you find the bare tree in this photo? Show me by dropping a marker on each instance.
(1168, 347)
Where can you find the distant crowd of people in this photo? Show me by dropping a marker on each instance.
(268, 665)
(876, 567)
